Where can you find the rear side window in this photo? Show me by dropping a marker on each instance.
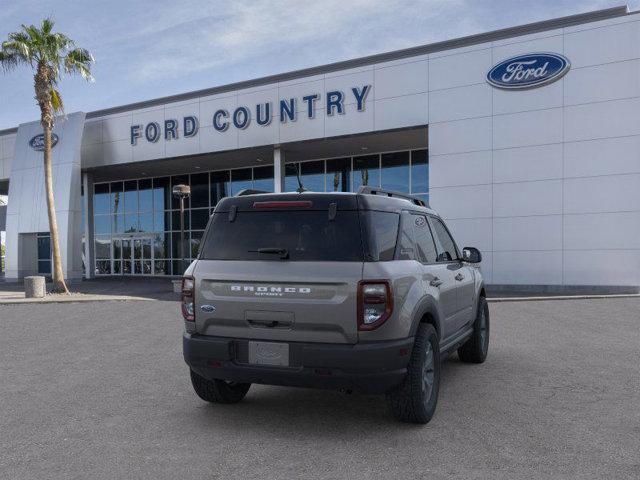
(406, 241)
(305, 235)
(446, 246)
(424, 241)
(382, 228)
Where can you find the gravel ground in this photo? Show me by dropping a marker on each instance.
(100, 390)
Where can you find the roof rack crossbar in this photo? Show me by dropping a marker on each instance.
(249, 191)
(390, 193)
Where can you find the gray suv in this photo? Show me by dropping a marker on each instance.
(358, 291)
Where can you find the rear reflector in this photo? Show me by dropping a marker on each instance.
(284, 204)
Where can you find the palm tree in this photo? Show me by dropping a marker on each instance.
(47, 53)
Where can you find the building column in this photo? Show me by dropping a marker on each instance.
(3, 222)
(87, 186)
(278, 170)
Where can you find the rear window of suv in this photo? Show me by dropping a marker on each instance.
(305, 235)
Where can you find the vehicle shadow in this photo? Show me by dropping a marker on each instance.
(299, 411)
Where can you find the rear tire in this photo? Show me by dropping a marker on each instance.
(476, 348)
(414, 401)
(218, 391)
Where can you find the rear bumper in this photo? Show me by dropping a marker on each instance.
(372, 367)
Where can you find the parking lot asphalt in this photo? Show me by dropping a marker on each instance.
(100, 391)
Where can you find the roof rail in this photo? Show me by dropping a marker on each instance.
(249, 191)
(389, 193)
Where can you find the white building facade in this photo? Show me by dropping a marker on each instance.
(526, 140)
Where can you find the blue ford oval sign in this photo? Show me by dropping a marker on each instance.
(37, 142)
(528, 71)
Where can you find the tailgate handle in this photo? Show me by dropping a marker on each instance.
(270, 323)
(269, 319)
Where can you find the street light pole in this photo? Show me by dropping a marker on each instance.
(182, 192)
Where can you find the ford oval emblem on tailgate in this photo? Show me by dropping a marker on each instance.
(207, 308)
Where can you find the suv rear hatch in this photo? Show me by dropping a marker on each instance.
(281, 267)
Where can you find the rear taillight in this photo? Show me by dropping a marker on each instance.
(187, 299)
(375, 303)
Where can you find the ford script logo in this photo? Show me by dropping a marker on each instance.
(37, 142)
(208, 308)
(528, 71)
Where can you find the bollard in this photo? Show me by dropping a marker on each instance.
(34, 287)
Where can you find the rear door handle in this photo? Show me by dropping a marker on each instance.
(436, 282)
(459, 277)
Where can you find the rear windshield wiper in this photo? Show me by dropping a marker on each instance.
(283, 252)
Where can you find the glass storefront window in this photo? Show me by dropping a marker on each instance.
(263, 178)
(131, 223)
(126, 248)
(419, 171)
(241, 179)
(101, 199)
(161, 267)
(366, 171)
(117, 248)
(131, 196)
(200, 190)
(179, 180)
(179, 266)
(175, 220)
(312, 174)
(145, 195)
(196, 238)
(102, 224)
(161, 194)
(103, 247)
(175, 244)
(117, 200)
(44, 252)
(395, 171)
(339, 175)
(161, 245)
(145, 222)
(199, 219)
(219, 186)
(423, 196)
(103, 267)
(145, 211)
(291, 177)
(161, 221)
(117, 223)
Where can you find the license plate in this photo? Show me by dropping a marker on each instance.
(269, 353)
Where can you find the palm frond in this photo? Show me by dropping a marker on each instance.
(56, 101)
(8, 60)
(79, 60)
(47, 25)
(35, 35)
(19, 44)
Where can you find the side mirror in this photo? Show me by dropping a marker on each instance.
(471, 255)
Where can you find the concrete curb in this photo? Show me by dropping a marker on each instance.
(560, 297)
(73, 299)
(126, 298)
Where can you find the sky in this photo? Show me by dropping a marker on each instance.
(149, 49)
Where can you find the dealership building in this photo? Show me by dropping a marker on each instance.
(526, 140)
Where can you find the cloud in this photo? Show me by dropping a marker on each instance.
(246, 30)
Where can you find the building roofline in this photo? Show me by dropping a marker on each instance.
(494, 35)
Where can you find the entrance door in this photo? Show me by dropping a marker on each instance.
(133, 255)
(142, 256)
